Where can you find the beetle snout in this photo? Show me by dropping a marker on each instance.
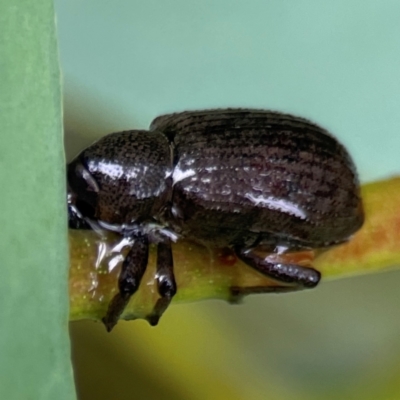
(82, 192)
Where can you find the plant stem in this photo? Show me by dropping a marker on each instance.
(204, 273)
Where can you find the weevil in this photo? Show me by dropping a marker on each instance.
(261, 183)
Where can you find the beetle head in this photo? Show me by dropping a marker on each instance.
(82, 191)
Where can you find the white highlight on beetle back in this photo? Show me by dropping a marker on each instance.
(278, 204)
(116, 171)
(180, 175)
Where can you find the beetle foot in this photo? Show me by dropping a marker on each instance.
(131, 274)
(165, 281)
(158, 310)
(160, 307)
(115, 309)
(297, 276)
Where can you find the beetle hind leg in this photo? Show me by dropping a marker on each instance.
(165, 281)
(294, 277)
(132, 271)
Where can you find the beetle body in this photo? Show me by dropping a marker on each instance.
(244, 179)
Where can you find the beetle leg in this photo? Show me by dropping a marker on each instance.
(297, 276)
(132, 271)
(165, 281)
(75, 220)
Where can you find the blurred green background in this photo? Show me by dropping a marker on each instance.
(337, 63)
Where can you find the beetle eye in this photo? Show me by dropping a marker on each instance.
(82, 187)
(85, 208)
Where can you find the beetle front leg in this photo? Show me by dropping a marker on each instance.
(297, 276)
(165, 281)
(132, 271)
(75, 220)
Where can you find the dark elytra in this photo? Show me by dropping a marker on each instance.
(246, 179)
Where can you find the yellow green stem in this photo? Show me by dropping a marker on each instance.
(203, 273)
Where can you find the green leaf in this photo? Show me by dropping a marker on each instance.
(34, 342)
